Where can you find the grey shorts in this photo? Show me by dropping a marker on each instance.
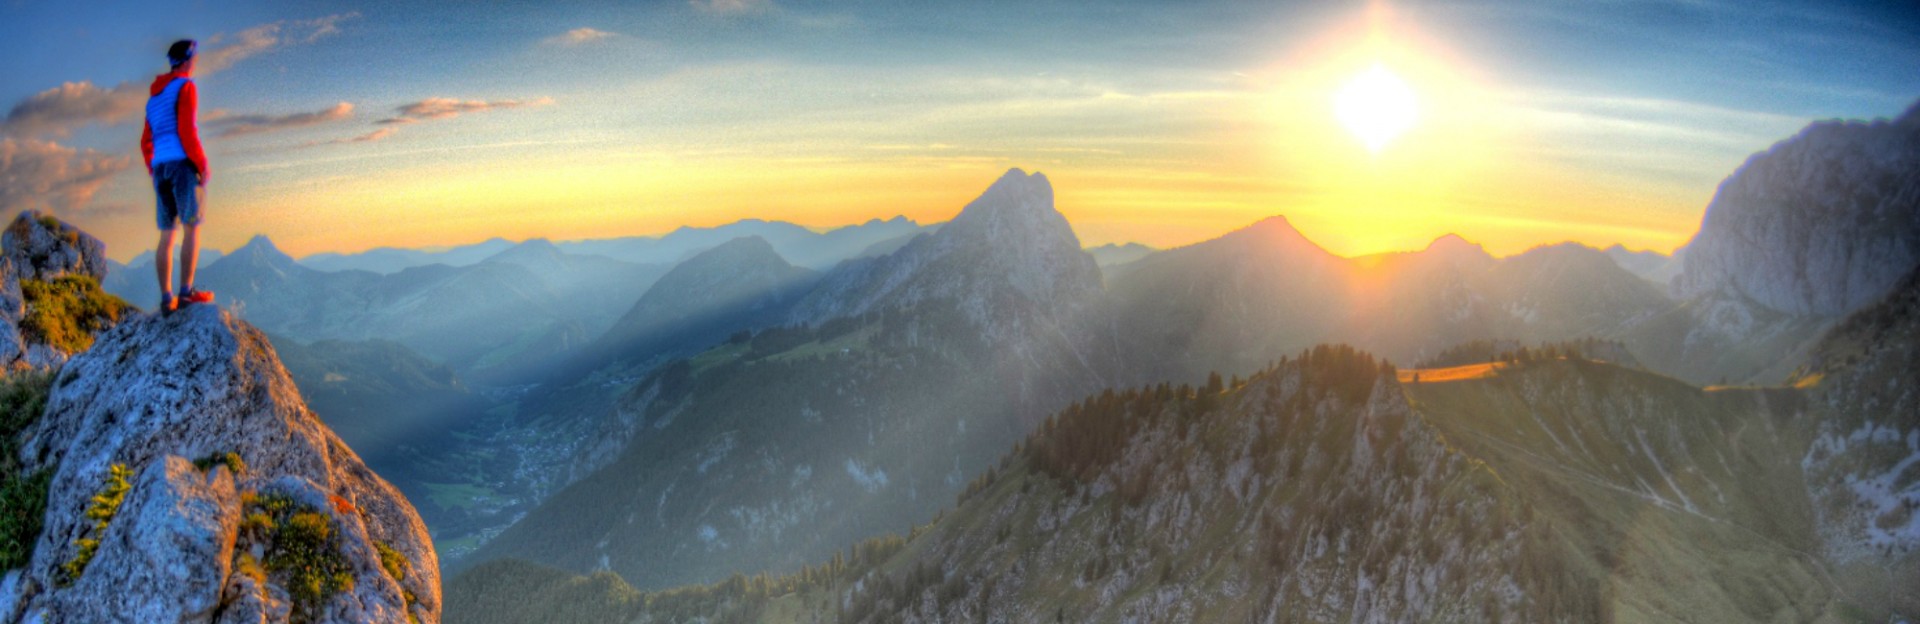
(176, 184)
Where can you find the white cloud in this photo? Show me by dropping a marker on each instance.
(579, 36)
(732, 7)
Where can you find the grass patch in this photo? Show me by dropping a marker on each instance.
(301, 547)
(23, 507)
(101, 510)
(23, 496)
(66, 312)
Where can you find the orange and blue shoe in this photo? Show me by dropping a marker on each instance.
(168, 302)
(191, 296)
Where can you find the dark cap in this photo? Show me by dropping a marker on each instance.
(181, 51)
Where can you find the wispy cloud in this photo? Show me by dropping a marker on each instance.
(369, 137)
(265, 37)
(59, 111)
(236, 125)
(733, 7)
(47, 175)
(431, 109)
(579, 36)
(448, 108)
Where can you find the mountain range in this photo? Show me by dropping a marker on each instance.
(725, 400)
(902, 376)
(800, 245)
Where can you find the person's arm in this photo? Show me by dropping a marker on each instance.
(190, 129)
(146, 145)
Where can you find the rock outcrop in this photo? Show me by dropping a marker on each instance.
(239, 504)
(39, 247)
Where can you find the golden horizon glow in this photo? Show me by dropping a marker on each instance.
(1371, 137)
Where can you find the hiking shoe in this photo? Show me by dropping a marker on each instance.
(168, 302)
(195, 296)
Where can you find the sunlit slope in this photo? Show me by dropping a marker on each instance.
(1682, 504)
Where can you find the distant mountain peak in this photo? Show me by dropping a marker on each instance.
(1010, 240)
(1455, 246)
(532, 250)
(258, 244)
(1451, 241)
(261, 249)
(1273, 233)
(744, 245)
(1016, 192)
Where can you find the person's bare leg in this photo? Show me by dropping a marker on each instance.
(189, 256)
(163, 263)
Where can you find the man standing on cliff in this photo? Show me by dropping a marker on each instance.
(170, 143)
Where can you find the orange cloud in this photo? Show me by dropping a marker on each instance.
(45, 174)
(61, 110)
(448, 108)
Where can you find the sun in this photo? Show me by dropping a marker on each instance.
(1376, 106)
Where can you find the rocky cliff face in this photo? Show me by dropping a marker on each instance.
(190, 483)
(1820, 225)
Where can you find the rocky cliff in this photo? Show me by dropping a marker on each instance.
(190, 483)
(1819, 225)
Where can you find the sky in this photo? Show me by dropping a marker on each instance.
(342, 126)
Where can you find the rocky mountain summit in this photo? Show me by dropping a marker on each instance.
(1007, 253)
(190, 483)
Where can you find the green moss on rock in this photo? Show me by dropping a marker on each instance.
(65, 313)
(302, 550)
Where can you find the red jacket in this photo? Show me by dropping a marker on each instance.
(189, 130)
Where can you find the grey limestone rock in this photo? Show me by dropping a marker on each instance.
(157, 390)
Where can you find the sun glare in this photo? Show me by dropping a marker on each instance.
(1376, 106)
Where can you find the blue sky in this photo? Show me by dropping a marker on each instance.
(1162, 122)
